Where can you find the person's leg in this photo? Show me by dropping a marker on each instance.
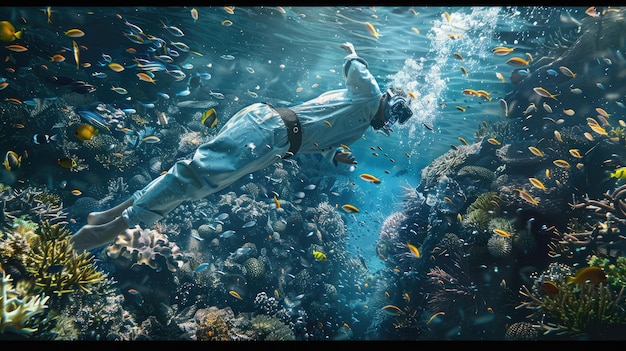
(214, 166)
(110, 214)
(91, 236)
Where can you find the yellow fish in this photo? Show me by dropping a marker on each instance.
(527, 197)
(537, 183)
(619, 173)
(67, 162)
(8, 33)
(350, 209)
(319, 256)
(517, 61)
(502, 50)
(85, 132)
(74, 33)
(392, 310)
(535, 151)
(76, 53)
(12, 160)
(589, 275)
(209, 118)
(503, 233)
(544, 93)
(414, 251)
(235, 294)
(372, 30)
(561, 164)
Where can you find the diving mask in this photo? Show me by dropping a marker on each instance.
(397, 110)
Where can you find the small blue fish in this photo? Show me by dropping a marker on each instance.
(201, 267)
(184, 92)
(523, 72)
(249, 224)
(94, 119)
(552, 72)
(227, 234)
(196, 236)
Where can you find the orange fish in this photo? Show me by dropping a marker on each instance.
(370, 178)
(276, 202)
(517, 62)
(16, 48)
(350, 208)
(503, 233)
(502, 50)
(146, 78)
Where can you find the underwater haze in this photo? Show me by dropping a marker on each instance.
(495, 214)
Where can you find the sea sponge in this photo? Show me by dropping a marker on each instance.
(143, 247)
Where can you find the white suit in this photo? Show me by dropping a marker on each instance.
(228, 157)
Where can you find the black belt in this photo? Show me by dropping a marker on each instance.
(294, 132)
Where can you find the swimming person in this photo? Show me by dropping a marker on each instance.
(255, 137)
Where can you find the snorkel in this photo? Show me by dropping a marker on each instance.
(397, 110)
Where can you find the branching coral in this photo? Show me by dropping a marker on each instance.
(578, 309)
(55, 265)
(33, 204)
(16, 312)
(614, 203)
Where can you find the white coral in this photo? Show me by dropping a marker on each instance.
(17, 312)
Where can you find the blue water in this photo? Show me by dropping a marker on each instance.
(284, 55)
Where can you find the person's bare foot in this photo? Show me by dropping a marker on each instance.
(91, 236)
(107, 216)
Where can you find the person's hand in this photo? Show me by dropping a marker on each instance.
(348, 47)
(345, 157)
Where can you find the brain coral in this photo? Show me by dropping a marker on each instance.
(143, 247)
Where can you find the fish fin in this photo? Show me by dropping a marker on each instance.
(18, 35)
(54, 137)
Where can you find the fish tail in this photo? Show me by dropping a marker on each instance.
(18, 35)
